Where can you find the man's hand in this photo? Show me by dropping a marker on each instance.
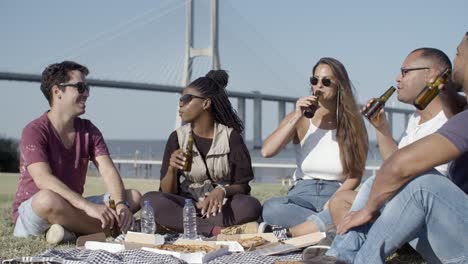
(101, 212)
(213, 203)
(380, 119)
(126, 219)
(177, 159)
(354, 219)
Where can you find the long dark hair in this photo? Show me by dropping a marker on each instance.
(351, 132)
(213, 86)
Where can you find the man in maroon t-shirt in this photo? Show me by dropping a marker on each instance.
(55, 150)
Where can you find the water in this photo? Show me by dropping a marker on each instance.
(148, 224)
(154, 150)
(190, 220)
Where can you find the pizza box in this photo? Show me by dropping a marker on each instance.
(133, 240)
(291, 245)
(270, 237)
(196, 257)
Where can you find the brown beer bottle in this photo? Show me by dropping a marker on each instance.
(431, 90)
(188, 154)
(115, 230)
(310, 111)
(378, 103)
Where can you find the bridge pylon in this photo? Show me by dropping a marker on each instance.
(191, 52)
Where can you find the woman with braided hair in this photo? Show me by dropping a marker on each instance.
(218, 182)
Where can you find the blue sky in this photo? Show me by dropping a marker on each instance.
(267, 45)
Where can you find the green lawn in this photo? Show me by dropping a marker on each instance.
(14, 247)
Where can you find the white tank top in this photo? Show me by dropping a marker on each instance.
(318, 156)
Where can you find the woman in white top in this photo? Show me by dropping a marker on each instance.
(330, 148)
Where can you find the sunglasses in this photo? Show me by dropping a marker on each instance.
(186, 98)
(404, 71)
(80, 86)
(325, 81)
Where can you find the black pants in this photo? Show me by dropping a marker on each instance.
(168, 209)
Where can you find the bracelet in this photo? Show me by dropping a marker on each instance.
(222, 188)
(124, 203)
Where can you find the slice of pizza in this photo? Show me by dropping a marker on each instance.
(251, 242)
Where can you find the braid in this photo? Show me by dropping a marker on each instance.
(213, 86)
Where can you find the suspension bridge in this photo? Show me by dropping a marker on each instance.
(173, 71)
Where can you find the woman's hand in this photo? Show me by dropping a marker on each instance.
(177, 159)
(305, 102)
(213, 203)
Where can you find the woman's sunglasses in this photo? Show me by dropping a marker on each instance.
(80, 86)
(186, 98)
(325, 81)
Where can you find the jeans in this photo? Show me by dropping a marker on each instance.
(305, 198)
(430, 211)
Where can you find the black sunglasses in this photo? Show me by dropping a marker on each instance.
(186, 98)
(404, 71)
(325, 81)
(80, 86)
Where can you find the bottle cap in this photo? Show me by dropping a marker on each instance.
(188, 201)
(146, 202)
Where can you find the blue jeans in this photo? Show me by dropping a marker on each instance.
(430, 211)
(305, 198)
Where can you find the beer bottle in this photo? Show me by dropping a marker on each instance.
(310, 111)
(431, 90)
(188, 154)
(378, 103)
(115, 230)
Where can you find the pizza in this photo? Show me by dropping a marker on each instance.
(251, 242)
(185, 248)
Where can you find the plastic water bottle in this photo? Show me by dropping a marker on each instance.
(148, 224)
(190, 220)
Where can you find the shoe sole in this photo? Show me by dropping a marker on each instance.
(55, 234)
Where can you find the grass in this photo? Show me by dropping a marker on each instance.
(11, 247)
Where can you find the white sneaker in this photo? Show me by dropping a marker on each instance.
(58, 233)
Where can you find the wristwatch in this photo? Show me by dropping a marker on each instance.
(124, 202)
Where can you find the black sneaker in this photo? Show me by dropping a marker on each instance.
(280, 232)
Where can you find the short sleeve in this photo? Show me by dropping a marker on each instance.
(172, 144)
(456, 130)
(240, 161)
(33, 145)
(97, 143)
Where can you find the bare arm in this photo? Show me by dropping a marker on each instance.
(45, 180)
(111, 177)
(403, 166)
(287, 129)
(285, 132)
(169, 181)
(387, 146)
(408, 163)
(116, 188)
